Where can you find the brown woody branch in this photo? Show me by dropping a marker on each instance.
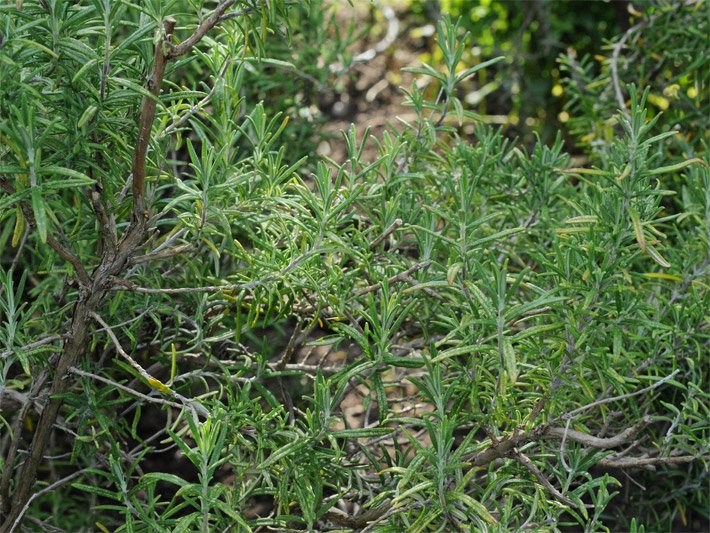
(591, 441)
(44, 491)
(107, 225)
(147, 117)
(96, 286)
(506, 445)
(209, 23)
(386, 233)
(10, 455)
(361, 519)
(649, 462)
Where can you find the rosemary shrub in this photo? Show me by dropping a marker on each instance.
(206, 326)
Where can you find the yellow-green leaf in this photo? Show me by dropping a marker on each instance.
(40, 213)
(87, 115)
(159, 386)
(19, 226)
(584, 219)
(662, 275)
(511, 363)
(476, 506)
(657, 257)
(453, 272)
(638, 228)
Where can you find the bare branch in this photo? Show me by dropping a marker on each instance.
(209, 23)
(615, 62)
(130, 391)
(147, 117)
(234, 14)
(42, 492)
(402, 276)
(179, 123)
(10, 399)
(126, 285)
(18, 253)
(153, 382)
(388, 231)
(9, 457)
(596, 442)
(370, 54)
(579, 410)
(615, 72)
(646, 462)
(162, 254)
(535, 471)
(517, 438)
(107, 226)
(356, 522)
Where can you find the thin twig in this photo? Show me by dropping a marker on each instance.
(390, 229)
(42, 492)
(535, 471)
(235, 14)
(63, 252)
(641, 462)
(370, 54)
(615, 60)
(179, 123)
(392, 511)
(603, 401)
(125, 285)
(152, 381)
(295, 340)
(18, 254)
(562, 447)
(130, 391)
(107, 226)
(402, 276)
(130, 320)
(615, 72)
(162, 254)
(210, 22)
(356, 522)
(10, 398)
(502, 447)
(32, 345)
(597, 442)
(9, 457)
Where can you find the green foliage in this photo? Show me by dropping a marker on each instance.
(450, 334)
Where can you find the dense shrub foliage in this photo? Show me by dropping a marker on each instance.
(207, 326)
